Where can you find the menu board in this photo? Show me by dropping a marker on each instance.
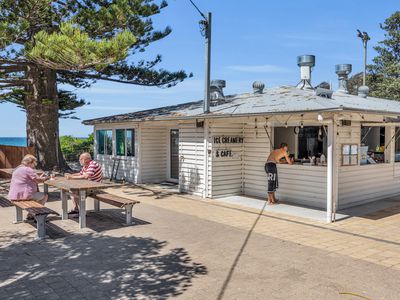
(349, 154)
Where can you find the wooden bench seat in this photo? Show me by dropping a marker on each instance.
(39, 211)
(117, 201)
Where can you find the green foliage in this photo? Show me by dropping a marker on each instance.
(383, 76)
(72, 49)
(72, 147)
(82, 41)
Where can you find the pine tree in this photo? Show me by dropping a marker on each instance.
(384, 77)
(45, 43)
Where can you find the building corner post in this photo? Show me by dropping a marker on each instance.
(206, 159)
(330, 173)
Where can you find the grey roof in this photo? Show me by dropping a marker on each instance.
(273, 101)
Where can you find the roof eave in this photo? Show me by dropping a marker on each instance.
(210, 116)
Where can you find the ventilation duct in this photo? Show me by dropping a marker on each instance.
(325, 93)
(363, 91)
(343, 71)
(217, 89)
(258, 87)
(306, 63)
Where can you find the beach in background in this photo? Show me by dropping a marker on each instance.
(13, 141)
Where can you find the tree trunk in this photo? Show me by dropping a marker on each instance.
(41, 104)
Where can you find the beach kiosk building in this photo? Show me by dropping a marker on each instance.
(346, 147)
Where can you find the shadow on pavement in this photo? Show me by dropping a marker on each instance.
(108, 219)
(239, 255)
(94, 266)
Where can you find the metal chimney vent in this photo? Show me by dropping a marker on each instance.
(217, 90)
(325, 93)
(343, 71)
(258, 87)
(363, 91)
(306, 63)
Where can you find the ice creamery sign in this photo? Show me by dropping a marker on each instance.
(224, 146)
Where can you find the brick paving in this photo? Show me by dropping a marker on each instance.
(188, 248)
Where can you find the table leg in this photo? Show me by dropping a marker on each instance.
(18, 215)
(96, 205)
(82, 209)
(46, 189)
(64, 204)
(41, 229)
(128, 214)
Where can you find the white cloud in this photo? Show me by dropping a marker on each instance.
(260, 69)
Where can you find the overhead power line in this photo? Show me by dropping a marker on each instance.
(195, 6)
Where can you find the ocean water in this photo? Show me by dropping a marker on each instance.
(13, 141)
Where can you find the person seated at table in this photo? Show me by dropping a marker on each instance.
(24, 183)
(91, 170)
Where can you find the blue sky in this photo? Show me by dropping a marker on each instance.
(252, 40)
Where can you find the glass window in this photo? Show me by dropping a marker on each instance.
(125, 142)
(104, 142)
(120, 141)
(130, 142)
(312, 141)
(372, 147)
(109, 142)
(100, 137)
(397, 145)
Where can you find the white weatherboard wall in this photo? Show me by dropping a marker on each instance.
(153, 150)
(304, 185)
(361, 184)
(191, 153)
(128, 168)
(366, 183)
(226, 172)
(256, 149)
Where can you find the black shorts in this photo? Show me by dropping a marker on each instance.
(272, 176)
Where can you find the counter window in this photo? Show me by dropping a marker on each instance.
(312, 141)
(104, 142)
(397, 145)
(303, 143)
(125, 142)
(372, 149)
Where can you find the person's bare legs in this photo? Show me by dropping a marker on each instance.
(270, 198)
(75, 199)
(273, 199)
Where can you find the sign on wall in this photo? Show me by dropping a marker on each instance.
(225, 151)
(227, 139)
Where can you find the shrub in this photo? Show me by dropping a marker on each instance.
(72, 147)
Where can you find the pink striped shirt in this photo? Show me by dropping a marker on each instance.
(93, 170)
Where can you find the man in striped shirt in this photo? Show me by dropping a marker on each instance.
(91, 170)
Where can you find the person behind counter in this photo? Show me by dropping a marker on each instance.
(272, 172)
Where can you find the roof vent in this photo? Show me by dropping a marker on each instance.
(306, 63)
(217, 89)
(363, 91)
(324, 85)
(258, 87)
(325, 93)
(343, 71)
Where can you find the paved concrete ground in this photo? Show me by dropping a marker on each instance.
(183, 247)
